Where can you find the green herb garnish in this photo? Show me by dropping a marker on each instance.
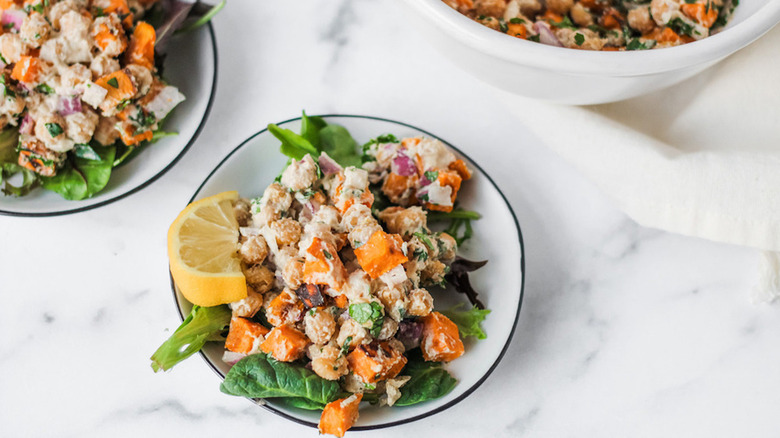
(54, 129)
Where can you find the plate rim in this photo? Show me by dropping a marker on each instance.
(169, 166)
(433, 411)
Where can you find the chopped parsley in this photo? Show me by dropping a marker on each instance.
(345, 347)
(681, 27)
(113, 82)
(6, 91)
(424, 239)
(431, 175)
(516, 20)
(502, 25)
(368, 312)
(327, 255)
(579, 38)
(420, 254)
(45, 89)
(54, 129)
(563, 24)
(144, 119)
(534, 38)
(635, 44)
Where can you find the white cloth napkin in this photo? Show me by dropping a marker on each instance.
(701, 158)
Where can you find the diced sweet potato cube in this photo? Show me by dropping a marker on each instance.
(668, 36)
(27, 69)
(375, 361)
(612, 19)
(701, 12)
(396, 185)
(285, 343)
(440, 338)
(338, 416)
(366, 198)
(459, 166)
(447, 178)
(323, 265)
(104, 38)
(342, 301)
(119, 86)
(408, 142)
(517, 30)
(286, 308)
(141, 49)
(244, 335)
(381, 253)
(130, 136)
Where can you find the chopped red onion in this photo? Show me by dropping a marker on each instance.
(70, 105)
(328, 165)
(409, 333)
(14, 17)
(403, 165)
(27, 125)
(546, 35)
(231, 357)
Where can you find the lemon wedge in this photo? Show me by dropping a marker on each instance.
(203, 252)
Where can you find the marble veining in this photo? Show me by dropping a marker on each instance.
(624, 331)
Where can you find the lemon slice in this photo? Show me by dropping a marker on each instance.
(203, 252)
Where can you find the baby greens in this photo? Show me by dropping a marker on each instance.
(9, 168)
(202, 325)
(318, 136)
(83, 175)
(429, 380)
(468, 320)
(260, 376)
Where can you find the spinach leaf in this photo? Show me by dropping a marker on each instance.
(260, 376)
(428, 381)
(293, 145)
(68, 182)
(311, 127)
(82, 178)
(468, 321)
(85, 151)
(336, 141)
(202, 325)
(299, 402)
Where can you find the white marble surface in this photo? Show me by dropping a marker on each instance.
(624, 331)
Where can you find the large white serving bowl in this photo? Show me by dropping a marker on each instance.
(254, 164)
(581, 77)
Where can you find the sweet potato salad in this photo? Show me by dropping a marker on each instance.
(609, 25)
(340, 257)
(81, 89)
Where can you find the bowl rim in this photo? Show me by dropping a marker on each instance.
(504, 348)
(155, 177)
(629, 63)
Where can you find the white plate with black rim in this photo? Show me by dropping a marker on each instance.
(191, 66)
(254, 164)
